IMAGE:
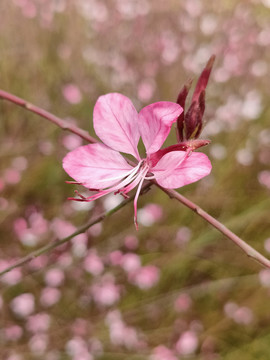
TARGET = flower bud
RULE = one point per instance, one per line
(190, 124)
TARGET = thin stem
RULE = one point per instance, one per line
(80, 230)
(247, 249)
(48, 116)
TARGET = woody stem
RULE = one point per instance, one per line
(80, 230)
(46, 115)
(247, 249)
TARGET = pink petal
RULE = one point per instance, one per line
(92, 164)
(116, 123)
(192, 169)
(155, 123)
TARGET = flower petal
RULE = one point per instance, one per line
(155, 123)
(116, 123)
(192, 169)
(92, 164)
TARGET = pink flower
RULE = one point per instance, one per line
(145, 277)
(102, 168)
(72, 94)
(187, 343)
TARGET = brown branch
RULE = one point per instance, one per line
(247, 249)
(80, 230)
(63, 124)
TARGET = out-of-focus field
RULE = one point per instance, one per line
(177, 288)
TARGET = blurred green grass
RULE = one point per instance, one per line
(37, 60)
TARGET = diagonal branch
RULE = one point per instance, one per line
(80, 230)
(63, 124)
(247, 249)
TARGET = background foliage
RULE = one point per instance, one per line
(176, 288)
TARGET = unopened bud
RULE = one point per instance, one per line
(190, 124)
(203, 79)
(181, 100)
(192, 118)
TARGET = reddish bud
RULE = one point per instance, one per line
(181, 100)
(190, 124)
(203, 79)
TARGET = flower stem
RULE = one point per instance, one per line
(65, 125)
(247, 249)
(80, 230)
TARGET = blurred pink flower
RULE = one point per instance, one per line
(93, 264)
(12, 277)
(38, 224)
(131, 262)
(183, 302)
(182, 236)
(49, 296)
(264, 277)
(12, 176)
(62, 228)
(150, 214)
(38, 323)
(241, 315)
(31, 235)
(20, 163)
(38, 344)
(15, 356)
(264, 178)
(105, 293)
(39, 262)
(267, 245)
(145, 277)
(29, 10)
(102, 168)
(13, 333)
(77, 349)
(161, 352)
(115, 257)
(146, 90)
(23, 305)
(72, 94)
(79, 327)
(131, 242)
(120, 333)
(230, 308)
(71, 141)
(187, 343)
(54, 277)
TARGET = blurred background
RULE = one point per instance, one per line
(176, 289)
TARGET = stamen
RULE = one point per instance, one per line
(130, 181)
(116, 187)
(133, 170)
(80, 195)
(141, 177)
